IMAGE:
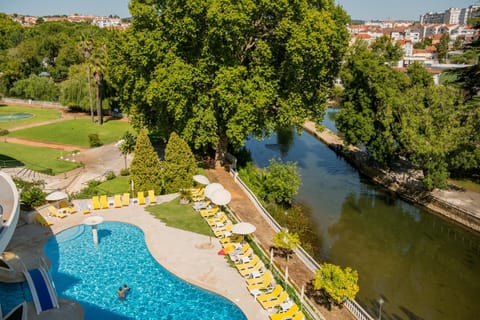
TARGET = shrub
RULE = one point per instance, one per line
(124, 172)
(4, 132)
(32, 194)
(88, 192)
(110, 175)
(94, 140)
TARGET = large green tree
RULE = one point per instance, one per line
(372, 89)
(217, 71)
(395, 115)
(145, 167)
(281, 182)
(442, 47)
(384, 46)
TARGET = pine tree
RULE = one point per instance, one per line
(179, 165)
(145, 167)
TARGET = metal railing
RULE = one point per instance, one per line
(355, 309)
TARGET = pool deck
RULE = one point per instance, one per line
(187, 255)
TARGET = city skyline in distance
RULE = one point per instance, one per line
(358, 10)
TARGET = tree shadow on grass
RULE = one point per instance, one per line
(9, 162)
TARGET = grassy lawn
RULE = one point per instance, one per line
(468, 185)
(35, 158)
(119, 185)
(180, 216)
(75, 132)
(38, 115)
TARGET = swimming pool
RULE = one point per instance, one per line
(91, 275)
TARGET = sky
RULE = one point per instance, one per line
(357, 9)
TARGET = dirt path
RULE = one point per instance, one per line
(34, 143)
(246, 211)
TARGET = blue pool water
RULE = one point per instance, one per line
(92, 274)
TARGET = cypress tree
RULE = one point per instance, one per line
(179, 165)
(145, 168)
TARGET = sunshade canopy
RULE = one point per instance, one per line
(211, 188)
(243, 228)
(201, 179)
(221, 197)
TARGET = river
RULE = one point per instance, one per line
(421, 265)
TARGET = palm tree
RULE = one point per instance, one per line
(127, 146)
(86, 48)
(97, 60)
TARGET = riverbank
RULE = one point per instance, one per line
(460, 206)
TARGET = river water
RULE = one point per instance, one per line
(421, 265)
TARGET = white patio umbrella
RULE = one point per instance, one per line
(56, 196)
(211, 188)
(243, 228)
(201, 179)
(221, 197)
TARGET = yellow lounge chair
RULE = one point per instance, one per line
(209, 212)
(95, 203)
(84, 207)
(256, 267)
(267, 282)
(151, 197)
(67, 208)
(236, 238)
(118, 201)
(126, 199)
(223, 231)
(272, 295)
(196, 191)
(299, 316)
(275, 302)
(248, 265)
(197, 198)
(141, 197)
(287, 314)
(104, 202)
(42, 220)
(55, 213)
(246, 255)
(218, 221)
(263, 278)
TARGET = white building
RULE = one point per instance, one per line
(450, 16)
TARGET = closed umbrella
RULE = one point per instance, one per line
(201, 179)
(243, 228)
(211, 188)
(221, 197)
(56, 196)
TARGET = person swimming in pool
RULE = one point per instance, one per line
(121, 294)
(125, 288)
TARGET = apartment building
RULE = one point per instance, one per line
(451, 16)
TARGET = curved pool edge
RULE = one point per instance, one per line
(179, 252)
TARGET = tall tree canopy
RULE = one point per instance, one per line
(217, 71)
(395, 115)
